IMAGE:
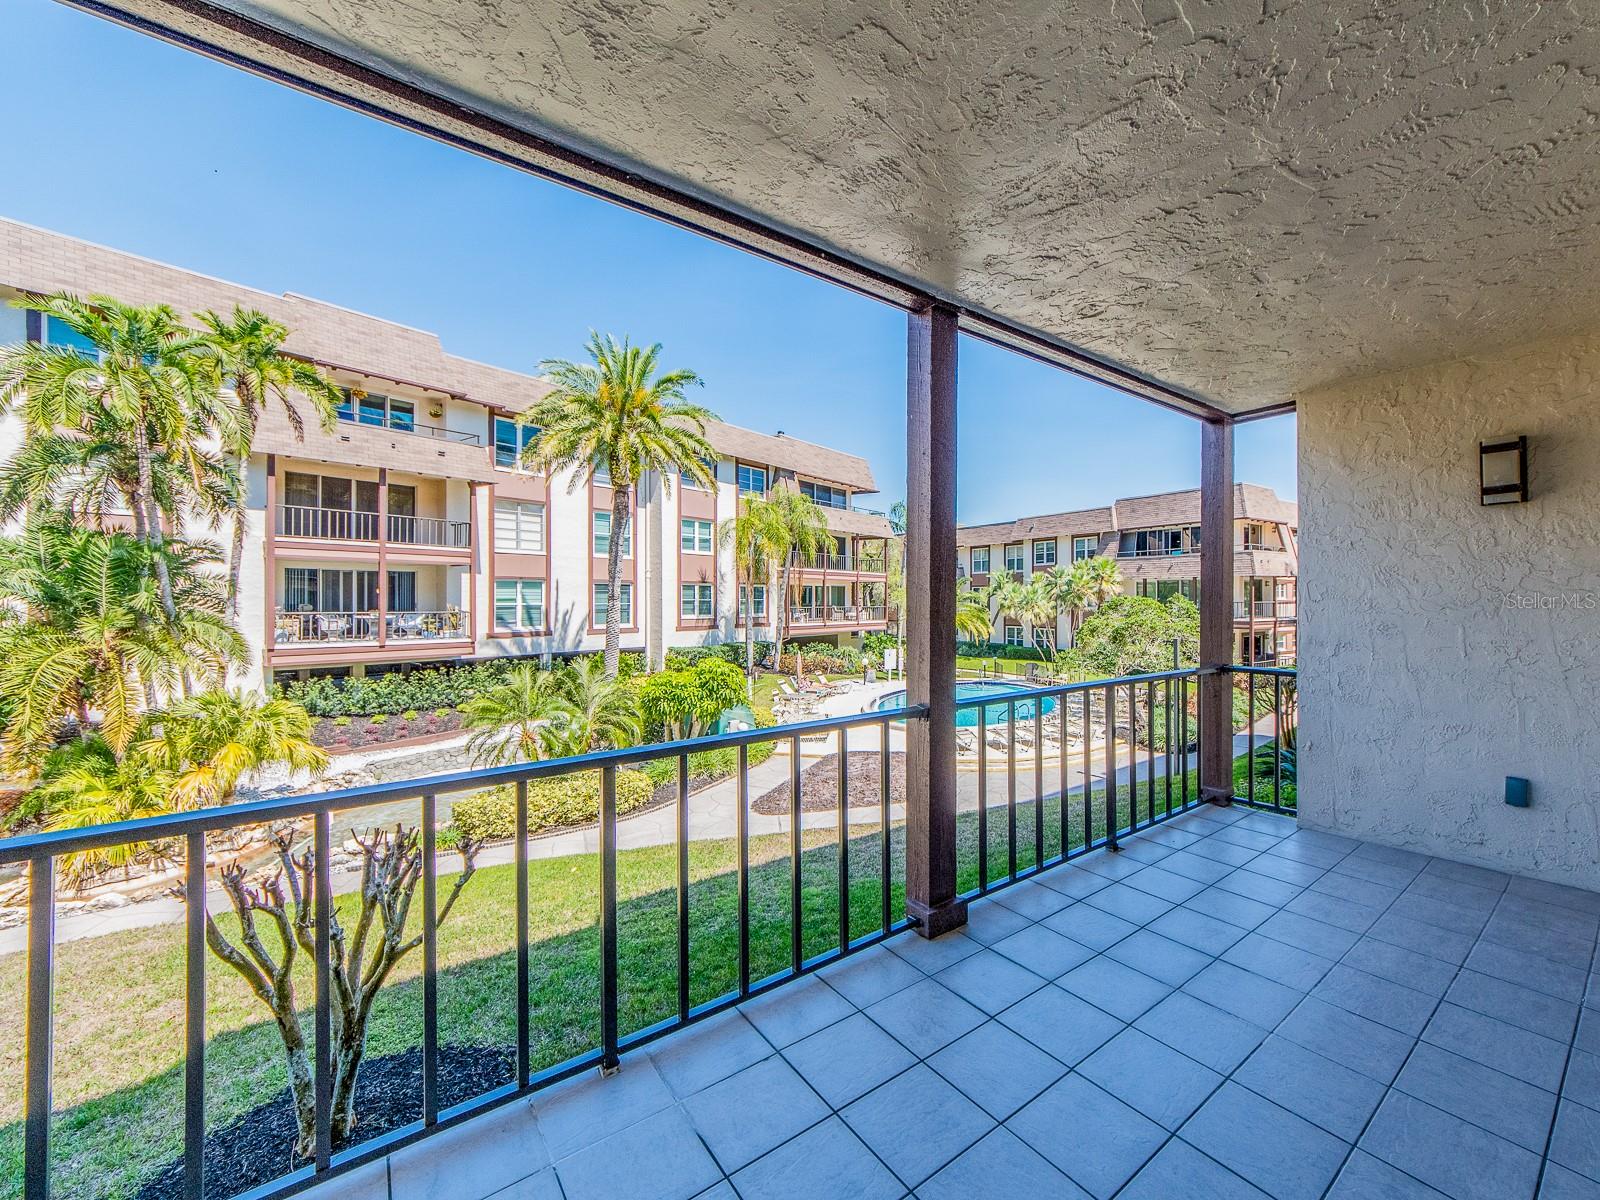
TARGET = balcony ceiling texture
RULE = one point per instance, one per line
(1238, 200)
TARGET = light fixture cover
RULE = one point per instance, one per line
(1503, 471)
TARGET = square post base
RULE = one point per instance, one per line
(941, 918)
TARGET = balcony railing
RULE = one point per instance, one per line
(1264, 610)
(406, 425)
(1132, 781)
(429, 531)
(336, 524)
(316, 628)
(837, 614)
(1176, 551)
(346, 525)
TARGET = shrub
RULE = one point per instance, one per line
(396, 692)
(442, 713)
(823, 657)
(341, 722)
(377, 718)
(688, 702)
(552, 804)
(409, 715)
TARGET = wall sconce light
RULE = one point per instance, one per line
(1503, 471)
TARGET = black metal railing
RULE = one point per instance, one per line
(1159, 725)
(1138, 773)
(40, 854)
(1271, 778)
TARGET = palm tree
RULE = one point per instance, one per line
(603, 710)
(208, 742)
(512, 720)
(148, 381)
(616, 412)
(91, 784)
(249, 354)
(1068, 589)
(802, 528)
(1101, 577)
(758, 538)
(973, 621)
(82, 632)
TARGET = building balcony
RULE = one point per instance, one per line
(851, 616)
(345, 525)
(301, 629)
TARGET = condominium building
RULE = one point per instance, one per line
(1155, 542)
(411, 532)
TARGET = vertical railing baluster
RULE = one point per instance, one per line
(1250, 739)
(1150, 750)
(843, 781)
(1183, 736)
(1061, 718)
(983, 798)
(430, 962)
(609, 1058)
(796, 898)
(1166, 748)
(1111, 767)
(742, 836)
(1088, 773)
(1038, 783)
(883, 828)
(1011, 789)
(683, 887)
(524, 1000)
(1277, 742)
(322, 854)
(41, 972)
(194, 1017)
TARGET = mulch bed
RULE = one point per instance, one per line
(256, 1149)
(359, 732)
(819, 784)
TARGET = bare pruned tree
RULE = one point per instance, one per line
(362, 956)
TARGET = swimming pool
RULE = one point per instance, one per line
(977, 690)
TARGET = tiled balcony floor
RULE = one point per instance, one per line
(1230, 1007)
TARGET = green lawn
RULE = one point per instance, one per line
(119, 1009)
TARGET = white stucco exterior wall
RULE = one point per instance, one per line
(1444, 645)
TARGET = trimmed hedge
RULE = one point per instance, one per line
(431, 688)
(686, 656)
(552, 804)
(821, 656)
(998, 650)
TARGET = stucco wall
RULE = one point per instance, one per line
(1443, 645)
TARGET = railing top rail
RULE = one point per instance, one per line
(171, 825)
(1252, 669)
(1060, 689)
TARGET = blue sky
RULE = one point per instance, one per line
(163, 153)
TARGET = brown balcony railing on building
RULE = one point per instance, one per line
(295, 628)
(429, 531)
(337, 524)
(449, 624)
(401, 424)
(1109, 787)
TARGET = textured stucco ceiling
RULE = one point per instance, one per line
(1242, 199)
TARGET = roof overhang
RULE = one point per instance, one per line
(1214, 209)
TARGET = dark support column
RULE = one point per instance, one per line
(383, 556)
(1216, 611)
(930, 620)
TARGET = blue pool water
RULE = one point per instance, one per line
(977, 690)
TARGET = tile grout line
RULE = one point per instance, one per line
(1389, 1088)
(1566, 1065)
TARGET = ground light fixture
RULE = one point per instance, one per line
(1503, 471)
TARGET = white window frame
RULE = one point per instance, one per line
(1013, 636)
(696, 601)
(1048, 546)
(1084, 548)
(522, 434)
(597, 612)
(745, 471)
(690, 540)
(600, 542)
(527, 593)
(976, 569)
(519, 527)
(1017, 563)
(760, 592)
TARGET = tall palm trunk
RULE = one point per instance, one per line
(236, 554)
(619, 522)
(153, 534)
(245, 391)
(782, 627)
(750, 635)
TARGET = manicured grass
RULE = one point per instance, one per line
(119, 1007)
